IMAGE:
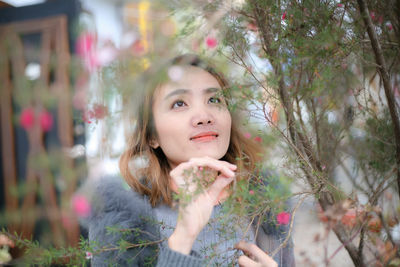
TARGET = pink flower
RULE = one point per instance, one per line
(85, 44)
(372, 15)
(81, 206)
(46, 120)
(389, 26)
(258, 139)
(211, 42)
(86, 116)
(99, 111)
(138, 48)
(252, 26)
(350, 218)
(89, 255)
(86, 49)
(251, 192)
(340, 5)
(27, 118)
(284, 15)
(283, 217)
(247, 135)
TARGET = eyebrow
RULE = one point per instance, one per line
(186, 91)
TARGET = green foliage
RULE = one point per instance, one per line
(264, 192)
(36, 254)
(309, 60)
(380, 156)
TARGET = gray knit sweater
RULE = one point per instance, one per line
(121, 217)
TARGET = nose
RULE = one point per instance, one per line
(202, 117)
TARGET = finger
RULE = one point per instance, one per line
(177, 174)
(183, 180)
(246, 261)
(228, 164)
(255, 251)
(225, 168)
(218, 165)
(202, 160)
(219, 184)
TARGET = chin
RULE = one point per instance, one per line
(211, 154)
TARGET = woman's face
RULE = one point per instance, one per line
(191, 117)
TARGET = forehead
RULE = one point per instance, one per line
(187, 77)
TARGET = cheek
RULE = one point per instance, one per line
(162, 129)
(167, 130)
(227, 120)
(226, 127)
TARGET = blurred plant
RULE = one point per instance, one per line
(331, 69)
(323, 75)
(319, 77)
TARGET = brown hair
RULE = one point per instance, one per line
(152, 179)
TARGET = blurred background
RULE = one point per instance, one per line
(310, 90)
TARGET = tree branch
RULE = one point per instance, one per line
(384, 74)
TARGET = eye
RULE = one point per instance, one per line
(178, 104)
(214, 100)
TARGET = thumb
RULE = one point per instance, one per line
(219, 184)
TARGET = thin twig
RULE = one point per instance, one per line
(384, 74)
(284, 243)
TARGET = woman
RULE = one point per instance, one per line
(185, 144)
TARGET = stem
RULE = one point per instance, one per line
(284, 243)
(301, 144)
(384, 74)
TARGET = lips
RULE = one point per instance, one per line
(205, 136)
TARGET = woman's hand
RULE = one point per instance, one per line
(254, 256)
(194, 214)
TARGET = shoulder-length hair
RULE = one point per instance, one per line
(152, 178)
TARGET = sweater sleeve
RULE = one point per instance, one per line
(170, 258)
(123, 231)
(269, 238)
